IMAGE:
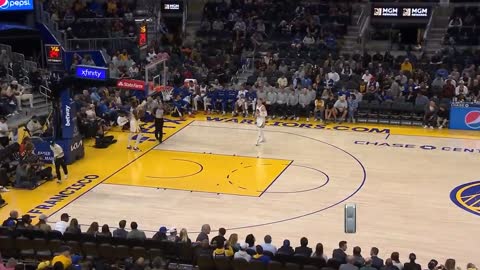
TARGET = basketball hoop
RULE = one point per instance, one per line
(160, 59)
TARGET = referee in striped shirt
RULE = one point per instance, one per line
(159, 122)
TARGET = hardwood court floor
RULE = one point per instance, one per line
(294, 185)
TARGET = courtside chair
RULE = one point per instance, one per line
(362, 112)
(156, 252)
(74, 246)
(385, 112)
(418, 112)
(240, 264)
(318, 262)
(205, 262)
(89, 249)
(7, 246)
(25, 247)
(67, 236)
(138, 252)
(107, 252)
(5, 231)
(257, 265)
(274, 265)
(283, 258)
(133, 242)
(42, 251)
(333, 264)
(122, 252)
(54, 235)
(101, 239)
(300, 259)
(169, 249)
(406, 116)
(184, 253)
(85, 237)
(374, 108)
(396, 115)
(54, 245)
(292, 266)
(223, 263)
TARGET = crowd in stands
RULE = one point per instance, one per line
(251, 24)
(463, 27)
(203, 248)
(296, 78)
(93, 19)
(331, 90)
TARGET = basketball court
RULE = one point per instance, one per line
(415, 190)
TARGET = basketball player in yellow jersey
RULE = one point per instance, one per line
(261, 114)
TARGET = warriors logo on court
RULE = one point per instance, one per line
(467, 197)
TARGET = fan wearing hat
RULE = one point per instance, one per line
(42, 224)
(59, 160)
(161, 234)
(242, 253)
(173, 234)
(62, 225)
(25, 222)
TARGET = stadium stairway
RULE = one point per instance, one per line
(437, 30)
(195, 10)
(350, 40)
(41, 107)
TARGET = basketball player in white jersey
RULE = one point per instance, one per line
(200, 95)
(261, 114)
(134, 130)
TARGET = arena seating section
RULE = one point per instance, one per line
(33, 246)
(227, 55)
(468, 33)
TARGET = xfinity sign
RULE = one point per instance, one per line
(13, 5)
(91, 73)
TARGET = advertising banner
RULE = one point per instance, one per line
(400, 12)
(16, 5)
(91, 73)
(464, 115)
(131, 84)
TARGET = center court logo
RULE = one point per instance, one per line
(472, 119)
(467, 197)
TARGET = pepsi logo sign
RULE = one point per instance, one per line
(472, 119)
(7, 5)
